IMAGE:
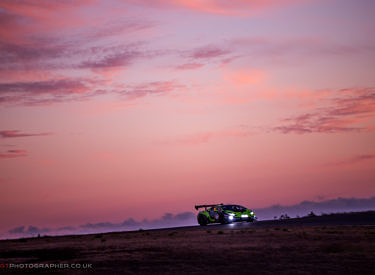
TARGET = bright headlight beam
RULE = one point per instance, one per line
(244, 216)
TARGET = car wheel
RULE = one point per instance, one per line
(202, 220)
(222, 220)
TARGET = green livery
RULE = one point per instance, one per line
(224, 213)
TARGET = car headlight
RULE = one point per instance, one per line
(244, 216)
(251, 213)
(230, 217)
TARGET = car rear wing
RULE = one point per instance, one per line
(206, 205)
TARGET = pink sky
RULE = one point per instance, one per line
(124, 108)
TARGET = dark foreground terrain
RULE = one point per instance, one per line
(311, 245)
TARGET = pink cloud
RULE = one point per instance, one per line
(26, 17)
(354, 160)
(208, 52)
(296, 50)
(190, 66)
(47, 92)
(45, 11)
(13, 154)
(348, 111)
(220, 7)
(286, 51)
(207, 136)
(16, 134)
(151, 88)
(29, 41)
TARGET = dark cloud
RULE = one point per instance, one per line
(63, 86)
(13, 154)
(316, 123)
(346, 112)
(46, 92)
(64, 90)
(122, 56)
(65, 228)
(121, 59)
(17, 230)
(130, 223)
(189, 218)
(327, 206)
(30, 231)
(17, 133)
(51, 53)
(167, 220)
(16, 56)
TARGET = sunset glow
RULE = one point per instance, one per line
(120, 109)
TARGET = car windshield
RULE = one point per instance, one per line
(235, 208)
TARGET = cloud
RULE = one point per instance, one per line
(17, 133)
(31, 230)
(167, 220)
(61, 34)
(295, 51)
(354, 160)
(46, 92)
(13, 154)
(189, 218)
(219, 7)
(284, 51)
(327, 206)
(62, 86)
(190, 66)
(350, 110)
(17, 230)
(35, 8)
(207, 136)
(64, 90)
(150, 88)
(50, 53)
(32, 55)
(37, 61)
(120, 59)
(28, 18)
(208, 52)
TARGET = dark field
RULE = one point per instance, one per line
(266, 247)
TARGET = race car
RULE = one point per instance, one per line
(224, 213)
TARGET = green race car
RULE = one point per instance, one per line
(224, 213)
